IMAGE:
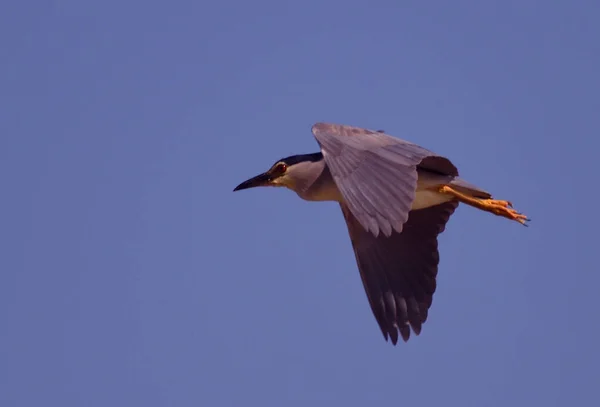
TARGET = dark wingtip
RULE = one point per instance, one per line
(405, 332)
(394, 335)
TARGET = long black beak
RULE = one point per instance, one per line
(258, 181)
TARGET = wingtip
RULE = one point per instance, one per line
(405, 333)
(319, 127)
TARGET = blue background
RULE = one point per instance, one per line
(131, 274)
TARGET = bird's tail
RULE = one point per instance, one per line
(467, 188)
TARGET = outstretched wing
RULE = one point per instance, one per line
(376, 173)
(399, 272)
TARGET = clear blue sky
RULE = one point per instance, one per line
(132, 275)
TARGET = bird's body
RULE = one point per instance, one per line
(396, 198)
(322, 187)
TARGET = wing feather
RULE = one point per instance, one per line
(399, 272)
(376, 173)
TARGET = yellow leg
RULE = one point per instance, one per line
(495, 206)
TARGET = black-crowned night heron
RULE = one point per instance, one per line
(396, 198)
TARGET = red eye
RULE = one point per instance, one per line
(281, 167)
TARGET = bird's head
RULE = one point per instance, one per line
(295, 172)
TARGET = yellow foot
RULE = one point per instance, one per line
(495, 206)
(506, 204)
(503, 208)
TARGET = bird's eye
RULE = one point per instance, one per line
(280, 168)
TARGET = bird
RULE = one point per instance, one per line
(396, 198)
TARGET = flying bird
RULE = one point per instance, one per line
(396, 198)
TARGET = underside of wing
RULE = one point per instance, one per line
(399, 272)
(376, 173)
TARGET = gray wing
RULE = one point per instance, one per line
(376, 173)
(399, 272)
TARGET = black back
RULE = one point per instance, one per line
(295, 159)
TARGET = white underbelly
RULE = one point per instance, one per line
(427, 198)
